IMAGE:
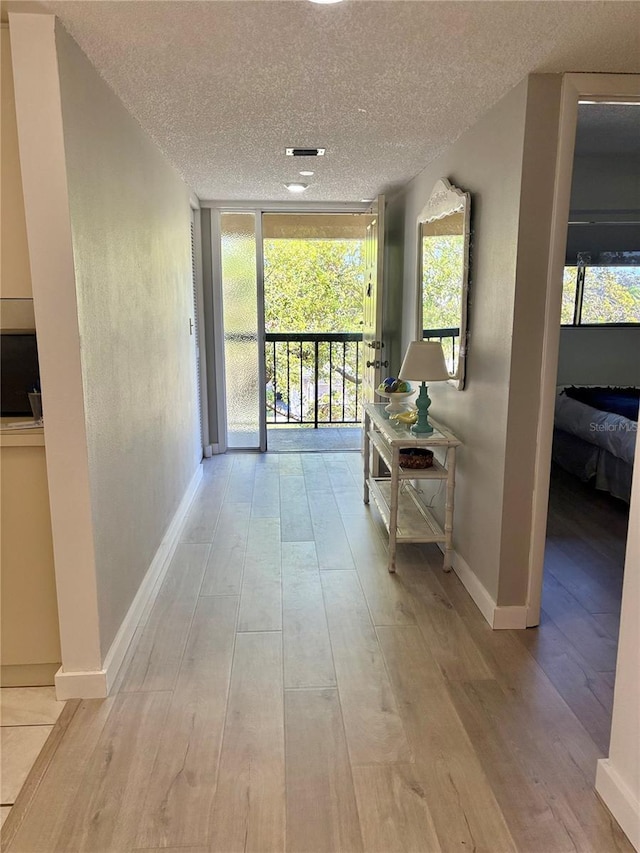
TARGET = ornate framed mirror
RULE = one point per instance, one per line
(443, 274)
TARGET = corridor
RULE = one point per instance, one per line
(284, 692)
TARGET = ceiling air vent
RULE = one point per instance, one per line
(304, 152)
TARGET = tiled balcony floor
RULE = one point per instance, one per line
(323, 439)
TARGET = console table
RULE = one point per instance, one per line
(405, 516)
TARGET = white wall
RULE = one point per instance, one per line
(534, 237)
(130, 220)
(108, 225)
(494, 162)
(39, 122)
(486, 161)
(599, 356)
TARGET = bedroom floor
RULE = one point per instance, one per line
(577, 641)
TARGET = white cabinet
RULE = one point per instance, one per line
(407, 519)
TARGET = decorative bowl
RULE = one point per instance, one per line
(415, 457)
(397, 400)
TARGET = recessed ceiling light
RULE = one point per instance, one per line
(296, 188)
(306, 174)
(325, 2)
(304, 152)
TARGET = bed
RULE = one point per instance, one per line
(595, 435)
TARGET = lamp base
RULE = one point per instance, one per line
(422, 427)
(419, 432)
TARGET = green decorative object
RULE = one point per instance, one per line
(424, 362)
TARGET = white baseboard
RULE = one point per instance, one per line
(151, 583)
(533, 616)
(507, 616)
(619, 799)
(96, 685)
(81, 685)
(500, 617)
(485, 604)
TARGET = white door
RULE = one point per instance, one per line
(376, 362)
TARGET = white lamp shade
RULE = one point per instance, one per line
(424, 362)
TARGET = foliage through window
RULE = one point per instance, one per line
(442, 261)
(600, 295)
(313, 287)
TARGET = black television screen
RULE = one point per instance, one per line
(19, 372)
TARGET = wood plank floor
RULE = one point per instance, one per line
(286, 693)
(577, 641)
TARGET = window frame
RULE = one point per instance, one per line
(583, 263)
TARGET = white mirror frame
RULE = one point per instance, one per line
(446, 199)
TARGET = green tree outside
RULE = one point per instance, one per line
(568, 295)
(442, 265)
(313, 286)
(611, 295)
(442, 268)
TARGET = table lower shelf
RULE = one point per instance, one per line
(416, 523)
(435, 472)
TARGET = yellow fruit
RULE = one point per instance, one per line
(406, 417)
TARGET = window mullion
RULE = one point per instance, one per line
(583, 260)
(577, 312)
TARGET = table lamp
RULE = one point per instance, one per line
(424, 362)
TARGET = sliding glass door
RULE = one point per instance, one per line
(314, 329)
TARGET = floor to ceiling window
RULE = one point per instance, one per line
(241, 305)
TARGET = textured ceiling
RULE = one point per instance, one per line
(224, 87)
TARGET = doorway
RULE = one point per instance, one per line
(292, 302)
(591, 345)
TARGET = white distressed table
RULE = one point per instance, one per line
(405, 516)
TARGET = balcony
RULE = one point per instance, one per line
(314, 383)
(313, 378)
(314, 387)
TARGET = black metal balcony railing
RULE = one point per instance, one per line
(313, 378)
(448, 338)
